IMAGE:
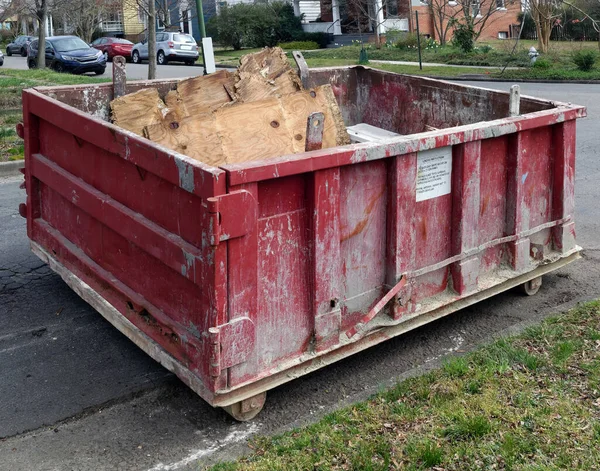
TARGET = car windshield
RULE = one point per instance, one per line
(184, 38)
(121, 41)
(69, 44)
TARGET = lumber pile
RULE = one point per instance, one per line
(256, 113)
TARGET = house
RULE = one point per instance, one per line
(348, 18)
(501, 22)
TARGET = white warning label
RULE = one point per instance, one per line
(434, 170)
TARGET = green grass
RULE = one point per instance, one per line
(529, 402)
(12, 83)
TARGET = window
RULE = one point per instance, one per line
(502, 34)
(500, 5)
(475, 8)
(391, 7)
(184, 38)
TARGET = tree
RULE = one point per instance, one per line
(373, 10)
(469, 15)
(148, 8)
(86, 15)
(443, 15)
(544, 14)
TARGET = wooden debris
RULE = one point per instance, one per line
(265, 74)
(205, 93)
(194, 136)
(243, 132)
(258, 113)
(139, 109)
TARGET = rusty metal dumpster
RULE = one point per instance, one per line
(243, 277)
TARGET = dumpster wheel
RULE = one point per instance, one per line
(531, 287)
(248, 408)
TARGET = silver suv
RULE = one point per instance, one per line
(169, 47)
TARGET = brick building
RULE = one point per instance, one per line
(349, 16)
(501, 23)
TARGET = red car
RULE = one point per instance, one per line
(113, 47)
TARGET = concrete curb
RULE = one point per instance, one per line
(490, 79)
(9, 169)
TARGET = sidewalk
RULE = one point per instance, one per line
(434, 64)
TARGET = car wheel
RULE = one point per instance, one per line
(8, 53)
(189, 62)
(1, 62)
(58, 67)
(100, 72)
(161, 59)
(106, 58)
(31, 64)
(135, 57)
(23, 52)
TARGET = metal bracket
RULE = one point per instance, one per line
(314, 131)
(119, 77)
(233, 215)
(231, 344)
(302, 68)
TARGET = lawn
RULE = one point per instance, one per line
(529, 402)
(12, 83)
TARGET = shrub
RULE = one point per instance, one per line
(542, 64)
(322, 39)
(254, 25)
(464, 37)
(484, 49)
(584, 60)
(407, 41)
(299, 45)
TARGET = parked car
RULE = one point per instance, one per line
(169, 47)
(111, 47)
(19, 45)
(1, 58)
(68, 54)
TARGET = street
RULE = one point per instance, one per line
(134, 71)
(78, 395)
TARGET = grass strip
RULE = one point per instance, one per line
(529, 402)
(12, 83)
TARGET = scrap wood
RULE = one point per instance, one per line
(205, 93)
(265, 73)
(137, 110)
(243, 132)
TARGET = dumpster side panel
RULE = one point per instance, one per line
(139, 238)
(492, 209)
(281, 271)
(363, 236)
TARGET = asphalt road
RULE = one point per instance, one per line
(75, 394)
(134, 71)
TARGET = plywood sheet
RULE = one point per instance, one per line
(266, 73)
(298, 106)
(194, 136)
(243, 132)
(137, 110)
(204, 93)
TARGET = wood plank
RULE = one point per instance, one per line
(254, 131)
(194, 136)
(243, 132)
(298, 106)
(266, 73)
(204, 93)
(137, 110)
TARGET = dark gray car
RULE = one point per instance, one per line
(19, 46)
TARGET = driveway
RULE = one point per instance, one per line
(76, 394)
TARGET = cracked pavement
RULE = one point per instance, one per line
(77, 395)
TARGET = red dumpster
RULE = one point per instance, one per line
(243, 277)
